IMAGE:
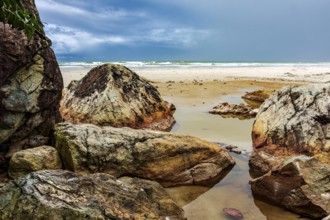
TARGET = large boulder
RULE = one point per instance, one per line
(167, 158)
(114, 95)
(30, 85)
(59, 194)
(34, 159)
(295, 121)
(300, 184)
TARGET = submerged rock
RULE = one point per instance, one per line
(256, 98)
(240, 111)
(114, 95)
(300, 184)
(30, 85)
(59, 194)
(34, 159)
(167, 158)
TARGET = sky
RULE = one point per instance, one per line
(188, 30)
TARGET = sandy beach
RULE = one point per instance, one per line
(192, 86)
(194, 91)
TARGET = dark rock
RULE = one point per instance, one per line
(240, 111)
(59, 194)
(30, 84)
(113, 95)
(170, 159)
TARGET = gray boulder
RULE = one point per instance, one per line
(116, 96)
(167, 158)
(59, 194)
(295, 121)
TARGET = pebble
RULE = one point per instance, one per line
(232, 212)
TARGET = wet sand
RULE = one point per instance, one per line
(193, 96)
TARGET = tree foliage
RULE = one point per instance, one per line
(14, 13)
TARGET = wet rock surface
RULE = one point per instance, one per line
(167, 158)
(240, 111)
(256, 98)
(300, 184)
(116, 96)
(291, 158)
(30, 86)
(59, 194)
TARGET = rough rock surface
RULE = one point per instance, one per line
(300, 184)
(30, 85)
(295, 121)
(114, 95)
(167, 158)
(59, 194)
(240, 111)
(294, 124)
(34, 159)
(256, 98)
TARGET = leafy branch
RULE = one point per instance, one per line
(14, 13)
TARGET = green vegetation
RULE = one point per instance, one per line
(14, 13)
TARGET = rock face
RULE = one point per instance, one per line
(167, 158)
(116, 96)
(295, 121)
(291, 158)
(30, 85)
(240, 111)
(34, 159)
(59, 194)
(300, 184)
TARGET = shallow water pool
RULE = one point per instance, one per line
(234, 189)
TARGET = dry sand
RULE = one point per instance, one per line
(192, 86)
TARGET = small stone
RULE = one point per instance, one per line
(232, 212)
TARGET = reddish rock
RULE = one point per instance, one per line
(240, 111)
(233, 213)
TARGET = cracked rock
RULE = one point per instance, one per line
(113, 95)
(170, 159)
(60, 194)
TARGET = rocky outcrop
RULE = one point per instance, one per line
(114, 95)
(295, 121)
(256, 98)
(300, 184)
(34, 159)
(291, 158)
(59, 194)
(30, 86)
(167, 158)
(240, 111)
